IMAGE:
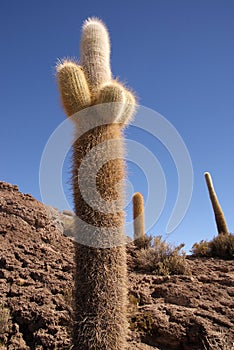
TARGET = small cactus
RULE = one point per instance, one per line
(219, 215)
(138, 215)
(101, 274)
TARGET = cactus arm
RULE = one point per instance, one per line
(129, 109)
(122, 109)
(111, 100)
(95, 59)
(73, 87)
(218, 212)
(95, 53)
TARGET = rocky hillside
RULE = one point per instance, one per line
(36, 268)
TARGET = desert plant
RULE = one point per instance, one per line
(138, 216)
(219, 215)
(144, 324)
(201, 249)
(221, 246)
(162, 258)
(143, 242)
(100, 259)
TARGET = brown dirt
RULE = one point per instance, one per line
(36, 283)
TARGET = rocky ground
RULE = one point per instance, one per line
(36, 266)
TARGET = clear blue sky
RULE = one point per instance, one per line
(177, 55)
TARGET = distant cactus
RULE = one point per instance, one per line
(138, 215)
(100, 276)
(219, 215)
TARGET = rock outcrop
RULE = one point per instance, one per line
(36, 288)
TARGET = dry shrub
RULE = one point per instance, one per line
(144, 324)
(201, 249)
(143, 242)
(221, 246)
(161, 258)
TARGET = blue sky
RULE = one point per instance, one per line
(177, 55)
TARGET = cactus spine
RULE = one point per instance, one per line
(219, 215)
(138, 215)
(100, 276)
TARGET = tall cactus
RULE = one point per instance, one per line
(100, 276)
(219, 215)
(138, 216)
